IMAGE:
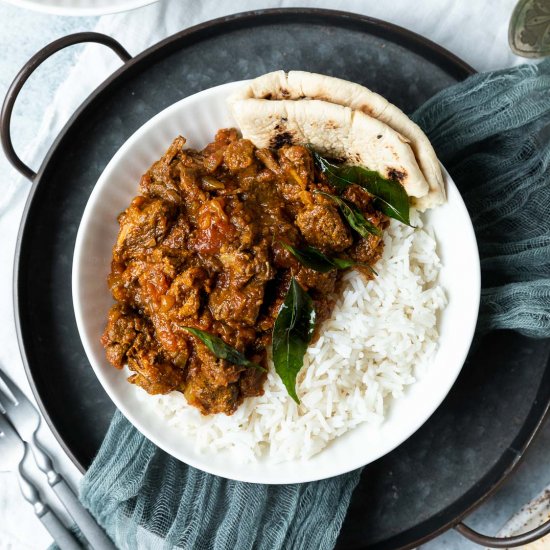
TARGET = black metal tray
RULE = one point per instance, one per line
(481, 430)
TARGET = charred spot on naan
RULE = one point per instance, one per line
(396, 175)
(332, 125)
(282, 137)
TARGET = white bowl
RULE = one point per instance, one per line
(80, 7)
(198, 117)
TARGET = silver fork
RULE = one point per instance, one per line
(12, 453)
(26, 420)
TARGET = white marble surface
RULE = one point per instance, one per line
(22, 33)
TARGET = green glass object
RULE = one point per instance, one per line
(529, 31)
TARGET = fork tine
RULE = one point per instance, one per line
(9, 398)
(18, 408)
(3, 422)
(6, 428)
(16, 394)
(5, 399)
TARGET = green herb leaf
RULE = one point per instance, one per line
(292, 334)
(330, 170)
(354, 217)
(222, 350)
(390, 196)
(314, 259)
(344, 263)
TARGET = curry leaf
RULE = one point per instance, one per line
(222, 350)
(311, 257)
(344, 263)
(314, 259)
(292, 334)
(390, 196)
(354, 217)
(330, 170)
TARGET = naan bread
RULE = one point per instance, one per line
(334, 131)
(301, 86)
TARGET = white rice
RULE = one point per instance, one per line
(381, 336)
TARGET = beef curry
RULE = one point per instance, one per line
(207, 245)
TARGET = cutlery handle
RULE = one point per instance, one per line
(61, 535)
(97, 538)
(44, 461)
(83, 519)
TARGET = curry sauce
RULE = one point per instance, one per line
(202, 246)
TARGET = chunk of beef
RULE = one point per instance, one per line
(212, 399)
(324, 283)
(143, 225)
(123, 326)
(213, 153)
(252, 380)
(129, 338)
(217, 372)
(296, 162)
(322, 227)
(158, 181)
(237, 306)
(175, 242)
(267, 158)
(155, 373)
(239, 291)
(239, 155)
(183, 298)
(244, 265)
(367, 250)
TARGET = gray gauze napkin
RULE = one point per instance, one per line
(492, 133)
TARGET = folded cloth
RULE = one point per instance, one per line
(148, 499)
(492, 133)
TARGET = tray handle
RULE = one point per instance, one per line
(507, 542)
(29, 67)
